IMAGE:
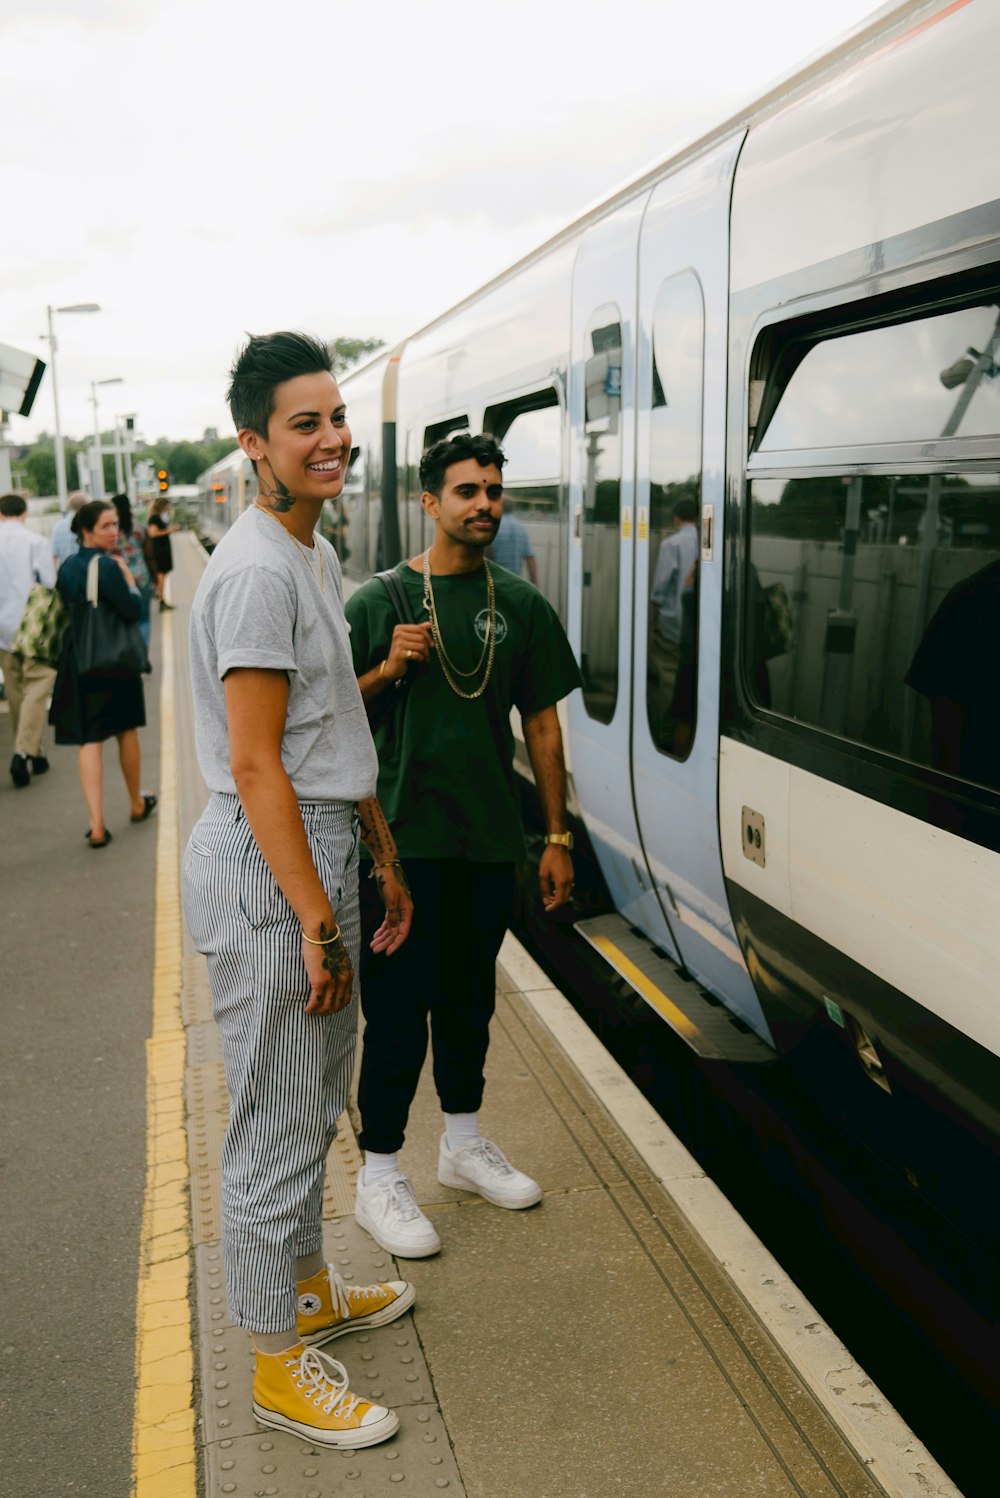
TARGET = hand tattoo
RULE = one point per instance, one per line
(336, 958)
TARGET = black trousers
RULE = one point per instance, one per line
(445, 971)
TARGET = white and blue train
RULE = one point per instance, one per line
(795, 322)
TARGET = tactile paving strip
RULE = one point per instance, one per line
(385, 1364)
(417, 1461)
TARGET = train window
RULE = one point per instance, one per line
(675, 442)
(601, 513)
(873, 611)
(897, 383)
(530, 430)
(439, 429)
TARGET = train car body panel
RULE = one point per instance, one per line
(353, 523)
(601, 560)
(681, 452)
(863, 500)
(895, 141)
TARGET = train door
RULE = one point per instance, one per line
(602, 427)
(680, 474)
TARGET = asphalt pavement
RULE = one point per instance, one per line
(76, 952)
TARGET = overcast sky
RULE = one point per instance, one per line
(202, 168)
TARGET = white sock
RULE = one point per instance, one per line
(461, 1129)
(380, 1167)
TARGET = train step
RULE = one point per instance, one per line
(709, 1028)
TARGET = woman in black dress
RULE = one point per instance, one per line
(159, 530)
(87, 710)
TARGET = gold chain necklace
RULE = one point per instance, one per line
(489, 644)
(305, 550)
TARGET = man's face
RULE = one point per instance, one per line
(308, 442)
(470, 505)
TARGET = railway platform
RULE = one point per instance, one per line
(628, 1335)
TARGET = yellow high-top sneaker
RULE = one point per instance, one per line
(328, 1308)
(305, 1392)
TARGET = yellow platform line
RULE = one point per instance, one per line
(163, 1448)
(645, 986)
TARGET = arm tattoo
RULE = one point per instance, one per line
(375, 832)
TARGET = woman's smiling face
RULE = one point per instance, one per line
(308, 442)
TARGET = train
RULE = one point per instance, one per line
(789, 328)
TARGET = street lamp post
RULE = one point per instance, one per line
(61, 488)
(98, 455)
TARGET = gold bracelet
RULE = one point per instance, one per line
(324, 941)
(381, 669)
(392, 863)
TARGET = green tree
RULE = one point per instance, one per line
(350, 351)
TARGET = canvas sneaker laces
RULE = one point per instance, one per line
(324, 1381)
(342, 1294)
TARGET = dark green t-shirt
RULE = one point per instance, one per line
(446, 773)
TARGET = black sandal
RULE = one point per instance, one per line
(149, 806)
(105, 840)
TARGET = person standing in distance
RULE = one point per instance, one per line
(64, 541)
(270, 885)
(25, 558)
(512, 545)
(488, 641)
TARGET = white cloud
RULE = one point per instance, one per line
(200, 169)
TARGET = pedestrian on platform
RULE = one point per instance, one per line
(25, 559)
(64, 542)
(131, 545)
(159, 529)
(488, 641)
(89, 709)
(512, 545)
(270, 885)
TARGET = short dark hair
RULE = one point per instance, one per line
(686, 509)
(12, 505)
(266, 361)
(124, 508)
(86, 516)
(456, 449)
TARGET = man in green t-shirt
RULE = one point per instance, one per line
(440, 692)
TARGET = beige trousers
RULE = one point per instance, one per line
(29, 686)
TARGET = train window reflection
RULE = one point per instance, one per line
(675, 443)
(602, 356)
(873, 611)
(894, 384)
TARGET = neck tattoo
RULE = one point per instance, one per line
(307, 551)
(489, 644)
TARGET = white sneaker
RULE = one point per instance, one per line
(388, 1211)
(484, 1167)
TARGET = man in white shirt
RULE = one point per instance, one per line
(64, 543)
(25, 558)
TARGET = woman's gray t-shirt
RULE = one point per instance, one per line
(260, 604)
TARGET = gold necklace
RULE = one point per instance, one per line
(305, 550)
(489, 644)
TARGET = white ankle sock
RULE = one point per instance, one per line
(461, 1129)
(380, 1167)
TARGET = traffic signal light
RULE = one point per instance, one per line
(162, 480)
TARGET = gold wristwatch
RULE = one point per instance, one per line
(563, 839)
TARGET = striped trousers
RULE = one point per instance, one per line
(288, 1073)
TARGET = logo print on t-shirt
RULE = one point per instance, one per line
(483, 624)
